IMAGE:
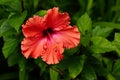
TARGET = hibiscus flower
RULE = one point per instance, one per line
(47, 36)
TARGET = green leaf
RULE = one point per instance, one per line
(116, 42)
(41, 13)
(84, 24)
(10, 46)
(101, 31)
(6, 29)
(116, 68)
(108, 24)
(12, 5)
(101, 45)
(76, 66)
(53, 74)
(16, 20)
(88, 73)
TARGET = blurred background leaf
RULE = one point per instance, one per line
(101, 45)
(76, 68)
(16, 20)
(117, 43)
(10, 46)
(11, 6)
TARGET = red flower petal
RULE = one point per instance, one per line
(54, 19)
(33, 47)
(33, 27)
(53, 52)
(70, 37)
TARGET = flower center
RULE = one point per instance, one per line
(47, 32)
